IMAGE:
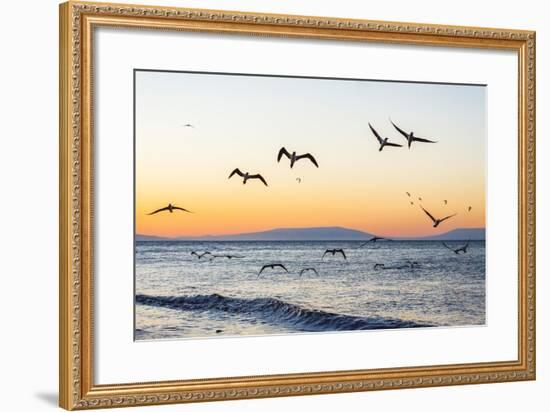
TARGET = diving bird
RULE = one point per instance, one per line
(383, 141)
(307, 269)
(201, 255)
(170, 208)
(227, 256)
(272, 266)
(435, 221)
(411, 137)
(294, 157)
(463, 249)
(334, 251)
(247, 176)
(373, 239)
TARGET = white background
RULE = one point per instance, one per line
(118, 359)
(28, 210)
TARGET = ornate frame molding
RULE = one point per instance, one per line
(77, 20)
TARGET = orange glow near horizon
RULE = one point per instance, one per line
(356, 186)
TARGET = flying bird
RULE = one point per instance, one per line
(373, 239)
(334, 251)
(445, 202)
(435, 221)
(420, 199)
(188, 125)
(408, 194)
(272, 266)
(307, 269)
(227, 256)
(170, 208)
(247, 176)
(201, 255)
(294, 157)
(383, 141)
(463, 249)
(411, 137)
(299, 180)
(469, 208)
(412, 203)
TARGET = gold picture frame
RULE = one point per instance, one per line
(76, 385)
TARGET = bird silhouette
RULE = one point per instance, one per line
(201, 255)
(299, 180)
(170, 208)
(469, 208)
(463, 249)
(247, 176)
(411, 137)
(294, 157)
(333, 252)
(308, 269)
(373, 239)
(272, 266)
(188, 125)
(383, 141)
(445, 202)
(227, 256)
(408, 194)
(435, 221)
(378, 266)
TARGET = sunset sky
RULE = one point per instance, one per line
(243, 121)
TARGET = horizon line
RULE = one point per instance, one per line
(411, 237)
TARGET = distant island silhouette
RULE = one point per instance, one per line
(318, 234)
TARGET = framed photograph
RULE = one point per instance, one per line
(259, 205)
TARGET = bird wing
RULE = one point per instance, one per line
(159, 210)
(302, 271)
(315, 270)
(236, 171)
(194, 253)
(342, 252)
(393, 144)
(262, 269)
(447, 217)
(207, 253)
(308, 156)
(181, 208)
(448, 247)
(282, 152)
(376, 134)
(281, 266)
(326, 251)
(429, 214)
(420, 139)
(258, 177)
(400, 130)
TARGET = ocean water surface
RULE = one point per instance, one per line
(178, 295)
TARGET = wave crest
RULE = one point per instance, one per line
(276, 311)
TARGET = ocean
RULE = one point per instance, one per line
(178, 295)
